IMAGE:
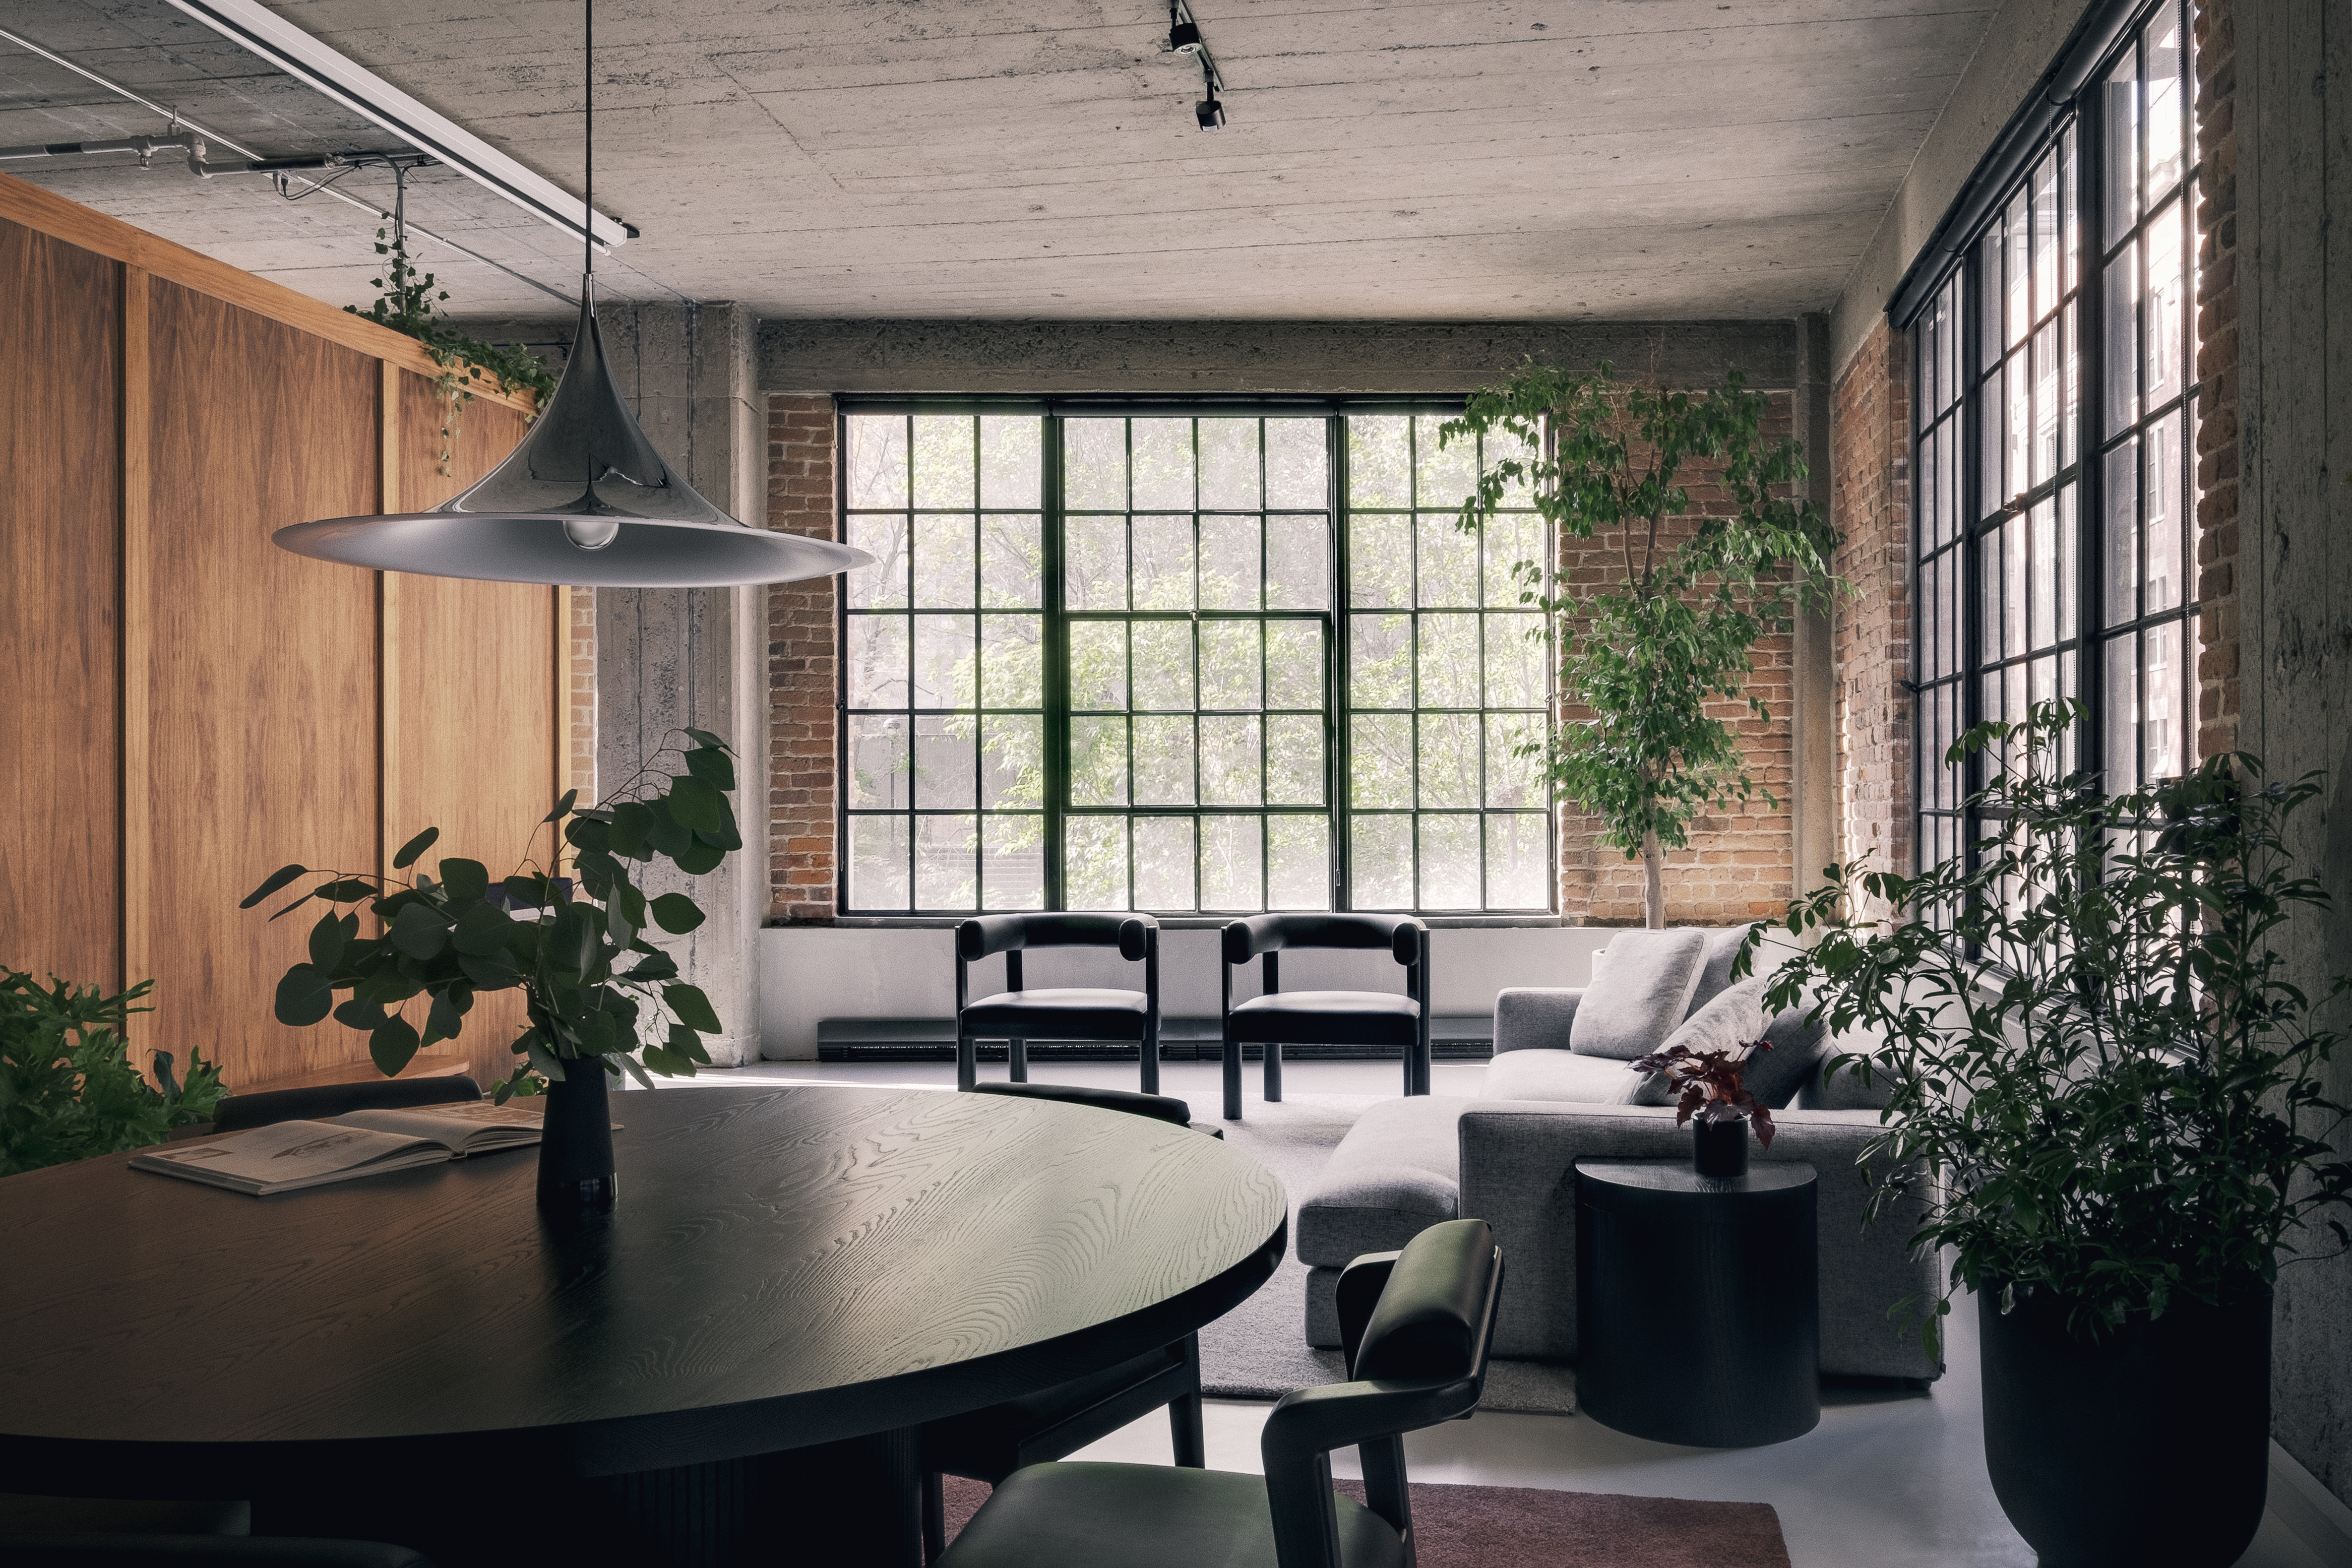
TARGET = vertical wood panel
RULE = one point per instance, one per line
(471, 716)
(60, 489)
(261, 686)
(137, 890)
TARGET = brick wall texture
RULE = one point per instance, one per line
(1870, 503)
(580, 690)
(1738, 864)
(803, 665)
(2217, 371)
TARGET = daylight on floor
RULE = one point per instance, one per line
(1501, 785)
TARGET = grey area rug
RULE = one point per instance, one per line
(1259, 1350)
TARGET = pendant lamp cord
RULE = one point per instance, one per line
(588, 134)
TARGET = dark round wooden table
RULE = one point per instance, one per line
(1697, 1302)
(817, 1268)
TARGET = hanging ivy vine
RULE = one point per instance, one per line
(409, 302)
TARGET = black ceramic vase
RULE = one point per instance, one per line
(575, 1150)
(2088, 1441)
(1719, 1148)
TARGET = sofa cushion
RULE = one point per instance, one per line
(1640, 995)
(1843, 1088)
(1715, 975)
(1396, 1174)
(1558, 1075)
(1777, 1076)
(1729, 1022)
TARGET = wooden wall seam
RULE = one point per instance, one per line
(137, 631)
(387, 605)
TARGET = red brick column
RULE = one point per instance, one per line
(1870, 502)
(2217, 371)
(578, 607)
(1740, 864)
(804, 868)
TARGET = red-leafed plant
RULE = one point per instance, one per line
(1712, 1085)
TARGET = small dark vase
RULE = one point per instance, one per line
(2087, 1439)
(575, 1150)
(1719, 1148)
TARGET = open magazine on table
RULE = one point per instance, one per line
(288, 1155)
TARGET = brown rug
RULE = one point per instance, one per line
(1529, 1527)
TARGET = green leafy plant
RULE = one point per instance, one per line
(408, 302)
(2104, 1085)
(594, 988)
(68, 1090)
(1654, 655)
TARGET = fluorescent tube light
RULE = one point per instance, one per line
(304, 58)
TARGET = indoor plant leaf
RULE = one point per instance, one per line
(393, 1045)
(481, 931)
(420, 931)
(676, 914)
(695, 802)
(415, 847)
(303, 997)
(692, 1008)
(698, 858)
(712, 765)
(464, 880)
(271, 883)
(327, 940)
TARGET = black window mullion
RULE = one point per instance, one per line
(1055, 649)
(1339, 712)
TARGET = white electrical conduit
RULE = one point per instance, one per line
(258, 163)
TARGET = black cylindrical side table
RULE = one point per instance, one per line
(1697, 1305)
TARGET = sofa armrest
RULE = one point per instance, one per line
(1528, 1017)
(1518, 1173)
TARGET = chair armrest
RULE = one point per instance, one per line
(989, 934)
(1527, 1017)
(1359, 1288)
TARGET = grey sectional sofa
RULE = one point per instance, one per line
(1508, 1157)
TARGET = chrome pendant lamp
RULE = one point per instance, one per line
(584, 500)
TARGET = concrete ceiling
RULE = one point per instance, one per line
(1460, 160)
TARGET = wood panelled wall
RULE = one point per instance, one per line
(187, 706)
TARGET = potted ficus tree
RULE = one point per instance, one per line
(1653, 655)
(600, 998)
(2109, 1093)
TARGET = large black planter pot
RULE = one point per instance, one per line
(575, 1150)
(2148, 1448)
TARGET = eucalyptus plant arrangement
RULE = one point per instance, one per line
(67, 1087)
(2104, 1085)
(595, 989)
(1654, 655)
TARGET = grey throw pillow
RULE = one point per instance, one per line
(1715, 977)
(1775, 1076)
(1640, 995)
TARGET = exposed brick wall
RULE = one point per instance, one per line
(2217, 370)
(803, 678)
(1739, 865)
(1870, 503)
(578, 609)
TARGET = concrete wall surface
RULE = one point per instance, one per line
(2295, 511)
(810, 973)
(2023, 41)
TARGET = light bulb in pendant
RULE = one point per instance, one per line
(591, 533)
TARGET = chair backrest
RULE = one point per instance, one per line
(1417, 1326)
(1401, 934)
(239, 1111)
(1159, 1107)
(991, 934)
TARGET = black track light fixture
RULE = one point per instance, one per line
(1184, 38)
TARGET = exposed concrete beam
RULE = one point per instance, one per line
(1255, 356)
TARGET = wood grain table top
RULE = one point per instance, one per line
(788, 1265)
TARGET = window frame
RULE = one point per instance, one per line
(2069, 114)
(1057, 619)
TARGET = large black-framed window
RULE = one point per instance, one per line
(1196, 662)
(2053, 435)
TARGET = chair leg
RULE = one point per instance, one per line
(1184, 1414)
(1232, 1065)
(1272, 1073)
(1016, 1059)
(1149, 1054)
(934, 1515)
(967, 1061)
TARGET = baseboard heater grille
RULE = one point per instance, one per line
(1181, 1039)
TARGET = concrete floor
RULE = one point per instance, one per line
(1888, 1479)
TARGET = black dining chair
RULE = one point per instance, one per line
(1016, 1016)
(1277, 1017)
(239, 1111)
(1415, 1325)
(989, 1444)
(74, 1549)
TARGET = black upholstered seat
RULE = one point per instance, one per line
(238, 1111)
(989, 1444)
(1017, 1016)
(1416, 1325)
(1277, 1017)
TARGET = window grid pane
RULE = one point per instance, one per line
(1449, 682)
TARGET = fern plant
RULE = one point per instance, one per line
(68, 1090)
